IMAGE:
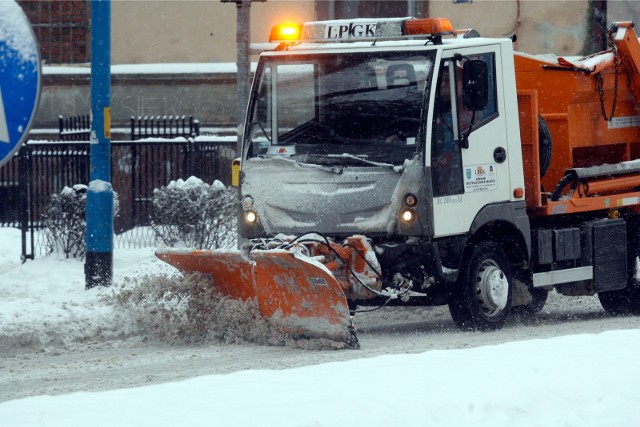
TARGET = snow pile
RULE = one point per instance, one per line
(100, 186)
(178, 308)
(44, 304)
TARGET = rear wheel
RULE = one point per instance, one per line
(622, 302)
(481, 300)
(626, 301)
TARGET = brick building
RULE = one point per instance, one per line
(169, 31)
(62, 29)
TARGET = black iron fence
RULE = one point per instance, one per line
(164, 127)
(78, 127)
(74, 128)
(10, 192)
(41, 169)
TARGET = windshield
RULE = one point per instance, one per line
(345, 108)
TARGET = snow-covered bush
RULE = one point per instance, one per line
(195, 214)
(65, 222)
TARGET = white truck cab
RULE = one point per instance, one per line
(351, 118)
(386, 129)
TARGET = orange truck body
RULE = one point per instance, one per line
(565, 94)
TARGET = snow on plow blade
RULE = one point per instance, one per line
(296, 295)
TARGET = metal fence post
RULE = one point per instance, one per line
(188, 160)
(24, 215)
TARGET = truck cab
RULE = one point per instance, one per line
(339, 125)
(385, 128)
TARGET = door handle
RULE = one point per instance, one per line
(500, 155)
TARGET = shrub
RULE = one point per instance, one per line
(65, 222)
(192, 213)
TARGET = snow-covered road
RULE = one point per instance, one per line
(108, 364)
(57, 339)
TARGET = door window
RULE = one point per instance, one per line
(451, 123)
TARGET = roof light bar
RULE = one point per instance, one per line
(431, 26)
(285, 33)
(362, 30)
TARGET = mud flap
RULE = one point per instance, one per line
(296, 294)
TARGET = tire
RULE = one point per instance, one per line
(481, 300)
(625, 302)
(544, 146)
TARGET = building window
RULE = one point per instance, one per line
(383, 9)
(349, 9)
(62, 29)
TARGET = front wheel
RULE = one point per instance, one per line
(481, 299)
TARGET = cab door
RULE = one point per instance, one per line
(468, 158)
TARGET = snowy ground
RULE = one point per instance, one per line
(138, 354)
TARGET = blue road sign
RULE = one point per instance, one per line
(19, 78)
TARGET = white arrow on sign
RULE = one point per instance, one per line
(4, 131)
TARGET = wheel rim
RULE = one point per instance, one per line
(492, 288)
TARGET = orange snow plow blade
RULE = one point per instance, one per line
(297, 295)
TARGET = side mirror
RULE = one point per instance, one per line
(475, 85)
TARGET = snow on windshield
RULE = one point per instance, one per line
(298, 198)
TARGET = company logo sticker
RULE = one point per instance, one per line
(480, 178)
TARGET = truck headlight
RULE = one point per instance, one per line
(250, 217)
(407, 215)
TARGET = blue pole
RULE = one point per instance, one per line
(99, 241)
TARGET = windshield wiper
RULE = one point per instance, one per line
(360, 159)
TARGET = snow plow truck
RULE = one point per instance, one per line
(404, 162)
